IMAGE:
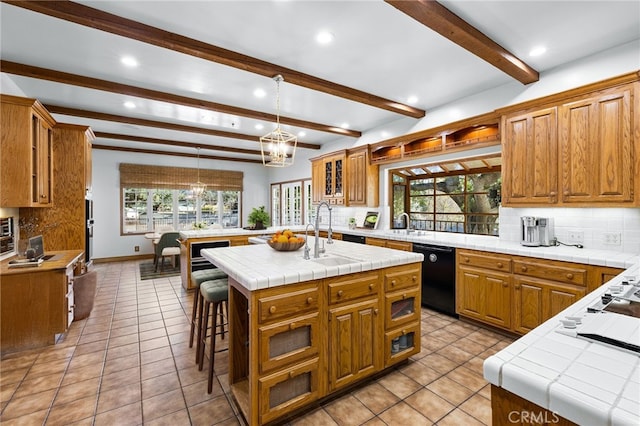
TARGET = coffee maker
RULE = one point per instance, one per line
(536, 231)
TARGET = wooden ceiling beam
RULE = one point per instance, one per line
(55, 109)
(125, 89)
(449, 25)
(175, 154)
(118, 136)
(94, 18)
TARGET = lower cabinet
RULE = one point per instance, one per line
(519, 293)
(392, 244)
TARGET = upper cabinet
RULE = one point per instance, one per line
(26, 153)
(345, 178)
(581, 150)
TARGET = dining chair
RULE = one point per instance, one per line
(168, 245)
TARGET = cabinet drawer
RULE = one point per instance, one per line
(288, 342)
(401, 307)
(353, 287)
(406, 276)
(287, 305)
(486, 261)
(399, 245)
(554, 271)
(285, 391)
(401, 343)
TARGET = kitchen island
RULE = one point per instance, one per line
(302, 330)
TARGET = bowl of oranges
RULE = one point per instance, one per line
(285, 241)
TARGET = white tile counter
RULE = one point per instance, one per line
(258, 266)
(586, 382)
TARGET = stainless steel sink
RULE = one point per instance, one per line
(334, 260)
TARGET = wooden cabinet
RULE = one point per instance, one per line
(26, 153)
(576, 150)
(345, 178)
(531, 150)
(392, 244)
(597, 148)
(354, 328)
(519, 293)
(362, 179)
(64, 224)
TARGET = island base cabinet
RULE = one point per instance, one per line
(353, 331)
(509, 409)
(401, 343)
(288, 390)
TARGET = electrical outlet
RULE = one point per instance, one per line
(136, 248)
(612, 238)
(576, 237)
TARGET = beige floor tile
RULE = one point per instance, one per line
(118, 397)
(128, 415)
(419, 372)
(120, 378)
(157, 368)
(314, 418)
(399, 384)
(429, 404)
(467, 378)
(122, 351)
(79, 390)
(402, 414)
(47, 368)
(7, 391)
(197, 393)
(457, 418)
(438, 363)
(376, 397)
(156, 355)
(127, 339)
(176, 418)
(479, 407)
(160, 384)
(348, 410)
(155, 343)
(452, 391)
(94, 359)
(18, 407)
(217, 408)
(100, 345)
(162, 405)
(38, 384)
(35, 418)
(455, 354)
(122, 363)
(72, 412)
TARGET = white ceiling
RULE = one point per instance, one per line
(377, 49)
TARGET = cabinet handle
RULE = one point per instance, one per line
(393, 283)
(272, 309)
(570, 276)
(309, 300)
(499, 265)
(340, 293)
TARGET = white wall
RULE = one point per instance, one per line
(107, 240)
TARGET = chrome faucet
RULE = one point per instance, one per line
(408, 222)
(306, 235)
(316, 246)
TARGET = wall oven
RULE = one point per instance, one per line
(7, 239)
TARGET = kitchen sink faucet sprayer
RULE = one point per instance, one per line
(316, 246)
(306, 235)
(408, 222)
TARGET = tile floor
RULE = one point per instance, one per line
(130, 363)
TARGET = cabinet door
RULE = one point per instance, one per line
(317, 181)
(528, 305)
(354, 351)
(338, 180)
(399, 245)
(401, 307)
(597, 149)
(561, 297)
(471, 293)
(401, 343)
(357, 179)
(530, 159)
(498, 299)
(329, 176)
(41, 162)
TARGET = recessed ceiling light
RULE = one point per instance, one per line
(345, 125)
(259, 126)
(537, 51)
(129, 105)
(384, 134)
(259, 93)
(129, 61)
(412, 100)
(302, 134)
(324, 37)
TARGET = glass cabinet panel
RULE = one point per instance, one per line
(328, 178)
(338, 178)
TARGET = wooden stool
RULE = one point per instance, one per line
(197, 278)
(214, 293)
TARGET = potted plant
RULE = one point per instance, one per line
(352, 223)
(258, 217)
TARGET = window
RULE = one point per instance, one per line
(147, 209)
(290, 202)
(436, 199)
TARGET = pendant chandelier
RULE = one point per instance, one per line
(198, 188)
(278, 147)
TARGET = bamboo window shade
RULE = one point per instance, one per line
(156, 177)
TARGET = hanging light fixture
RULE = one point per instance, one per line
(198, 188)
(278, 147)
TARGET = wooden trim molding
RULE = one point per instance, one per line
(94, 18)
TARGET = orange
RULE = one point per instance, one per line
(283, 239)
(293, 239)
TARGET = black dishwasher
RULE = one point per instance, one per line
(354, 238)
(438, 277)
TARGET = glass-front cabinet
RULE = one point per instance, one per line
(333, 179)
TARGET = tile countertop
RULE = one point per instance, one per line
(258, 266)
(582, 381)
(475, 242)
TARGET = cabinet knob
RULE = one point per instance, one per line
(466, 259)
(393, 283)
(505, 285)
(371, 286)
(404, 295)
(292, 326)
(499, 265)
(524, 269)
(272, 309)
(517, 287)
(414, 278)
(570, 276)
(375, 311)
(309, 300)
(43, 196)
(566, 193)
(340, 293)
(291, 374)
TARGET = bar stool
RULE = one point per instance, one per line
(197, 278)
(215, 294)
